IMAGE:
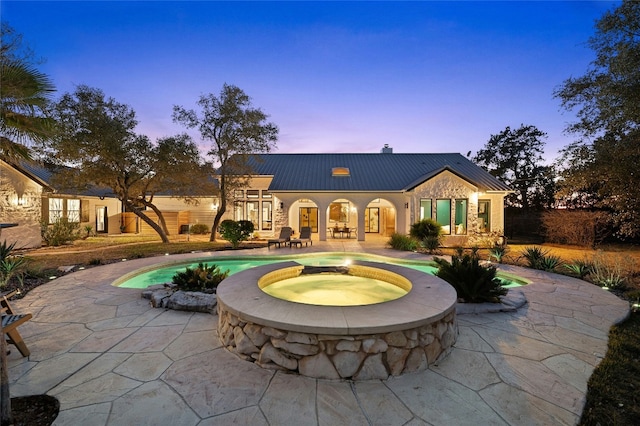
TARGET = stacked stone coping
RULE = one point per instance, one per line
(333, 342)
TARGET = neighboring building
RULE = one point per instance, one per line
(337, 195)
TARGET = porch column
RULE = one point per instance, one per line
(361, 209)
(322, 221)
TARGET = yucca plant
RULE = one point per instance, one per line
(203, 278)
(473, 282)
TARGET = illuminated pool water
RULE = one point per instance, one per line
(165, 272)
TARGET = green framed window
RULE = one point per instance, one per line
(443, 215)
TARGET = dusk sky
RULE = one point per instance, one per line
(333, 76)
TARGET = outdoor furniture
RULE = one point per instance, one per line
(337, 232)
(305, 237)
(10, 323)
(284, 237)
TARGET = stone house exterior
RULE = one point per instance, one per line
(337, 195)
(356, 195)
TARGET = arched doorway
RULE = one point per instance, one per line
(380, 218)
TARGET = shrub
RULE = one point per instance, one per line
(60, 232)
(431, 243)
(235, 232)
(473, 282)
(199, 228)
(203, 278)
(402, 242)
(611, 272)
(486, 240)
(425, 228)
(576, 227)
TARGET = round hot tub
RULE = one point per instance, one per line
(357, 342)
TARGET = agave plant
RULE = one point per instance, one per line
(473, 282)
(534, 256)
(498, 252)
(550, 262)
(580, 268)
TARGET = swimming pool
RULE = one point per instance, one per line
(163, 273)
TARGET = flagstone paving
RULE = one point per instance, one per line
(111, 359)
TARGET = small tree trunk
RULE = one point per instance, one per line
(148, 221)
(157, 211)
(216, 222)
(6, 418)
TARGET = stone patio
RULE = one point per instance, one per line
(112, 359)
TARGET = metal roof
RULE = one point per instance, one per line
(367, 172)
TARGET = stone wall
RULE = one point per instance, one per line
(21, 203)
(360, 357)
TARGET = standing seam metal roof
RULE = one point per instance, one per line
(368, 172)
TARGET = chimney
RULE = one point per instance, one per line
(386, 149)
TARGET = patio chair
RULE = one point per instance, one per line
(284, 237)
(10, 323)
(305, 237)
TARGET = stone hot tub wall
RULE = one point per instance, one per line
(330, 342)
(359, 357)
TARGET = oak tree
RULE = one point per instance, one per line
(235, 130)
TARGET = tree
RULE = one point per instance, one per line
(601, 167)
(24, 94)
(236, 131)
(99, 148)
(515, 157)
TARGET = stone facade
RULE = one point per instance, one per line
(20, 203)
(359, 357)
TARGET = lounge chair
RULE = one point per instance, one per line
(10, 323)
(305, 237)
(285, 236)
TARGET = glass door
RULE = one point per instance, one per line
(309, 217)
(101, 219)
(372, 220)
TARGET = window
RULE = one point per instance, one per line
(238, 194)
(238, 210)
(73, 211)
(340, 171)
(484, 216)
(267, 214)
(253, 213)
(443, 215)
(68, 208)
(266, 194)
(253, 193)
(56, 209)
(425, 208)
(339, 212)
(461, 217)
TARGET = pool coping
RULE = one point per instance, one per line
(429, 300)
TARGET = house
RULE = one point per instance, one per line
(337, 195)
(367, 193)
(28, 199)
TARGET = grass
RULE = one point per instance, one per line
(101, 250)
(613, 396)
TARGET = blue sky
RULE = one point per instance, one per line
(334, 76)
